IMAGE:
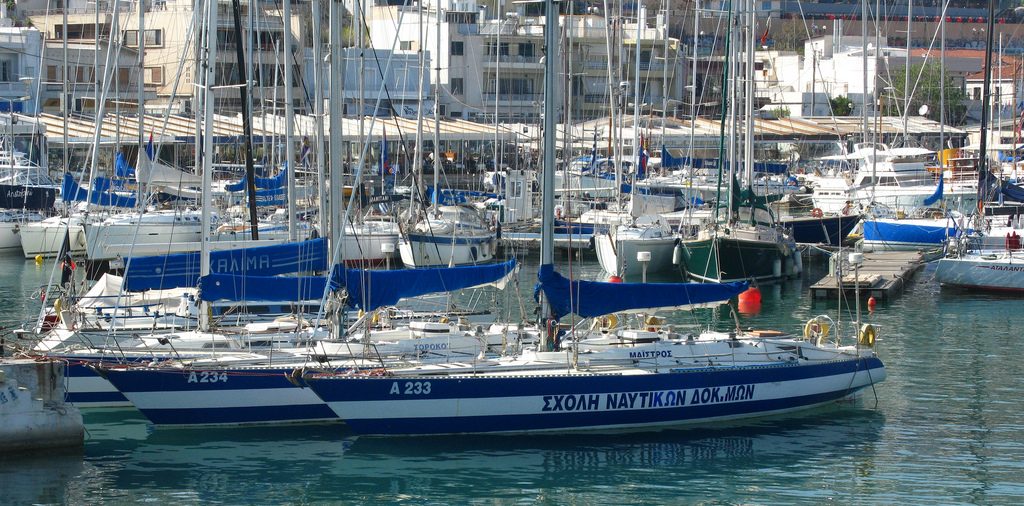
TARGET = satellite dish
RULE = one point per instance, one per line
(923, 110)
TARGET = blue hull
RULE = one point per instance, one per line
(828, 230)
(219, 396)
(555, 402)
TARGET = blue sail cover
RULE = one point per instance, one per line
(371, 289)
(935, 197)
(263, 183)
(595, 298)
(368, 289)
(70, 191)
(121, 167)
(182, 269)
(235, 288)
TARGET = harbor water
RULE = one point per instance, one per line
(944, 428)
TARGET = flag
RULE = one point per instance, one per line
(385, 163)
(593, 155)
(149, 147)
(764, 36)
(304, 155)
(67, 264)
(642, 166)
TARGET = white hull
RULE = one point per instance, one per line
(618, 255)
(442, 251)
(46, 237)
(105, 241)
(995, 271)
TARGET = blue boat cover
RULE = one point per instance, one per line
(368, 289)
(264, 183)
(371, 289)
(182, 269)
(595, 298)
(70, 191)
(454, 197)
(232, 287)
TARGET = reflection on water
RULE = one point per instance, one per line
(127, 460)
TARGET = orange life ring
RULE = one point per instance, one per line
(817, 213)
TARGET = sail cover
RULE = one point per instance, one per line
(368, 289)
(263, 183)
(371, 289)
(27, 197)
(595, 298)
(72, 192)
(161, 272)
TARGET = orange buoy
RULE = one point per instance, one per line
(749, 307)
(872, 303)
(751, 295)
(614, 279)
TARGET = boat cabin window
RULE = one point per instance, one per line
(216, 346)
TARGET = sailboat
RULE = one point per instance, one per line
(658, 379)
(969, 264)
(732, 248)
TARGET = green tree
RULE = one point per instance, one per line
(927, 91)
(841, 106)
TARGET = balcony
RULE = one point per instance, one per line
(514, 61)
(515, 98)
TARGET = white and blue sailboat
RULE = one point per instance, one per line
(668, 380)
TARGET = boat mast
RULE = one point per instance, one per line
(336, 122)
(864, 66)
(207, 167)
(250, 169)
(318, 112)
(547, 235)
(986, 96)
(437, 103)
(289, 120)
(140, 84)
(748, 100)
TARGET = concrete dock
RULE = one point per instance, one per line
(33, 414)
(882, 275)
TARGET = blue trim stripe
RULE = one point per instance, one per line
(170, 380)
(607, 419)
(83, 399)
(362, 388)
(444, 239)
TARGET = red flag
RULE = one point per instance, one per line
(764, 36)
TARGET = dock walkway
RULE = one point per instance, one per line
(883, 275)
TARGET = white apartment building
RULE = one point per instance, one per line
(490, 62)
(18, 66)
(169, 42)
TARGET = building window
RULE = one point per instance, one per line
(6, 69)
(458, 48)
(526, 50)
(123, 76)
(51, 73)
(154, 38)
(154, 75)
(405, 45)
(977, 93)
(457, 86)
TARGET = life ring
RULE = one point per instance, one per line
(816, 330)
(609, 322)
(817, 212)
(938, 215)
(866, 336)
(654, 323)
